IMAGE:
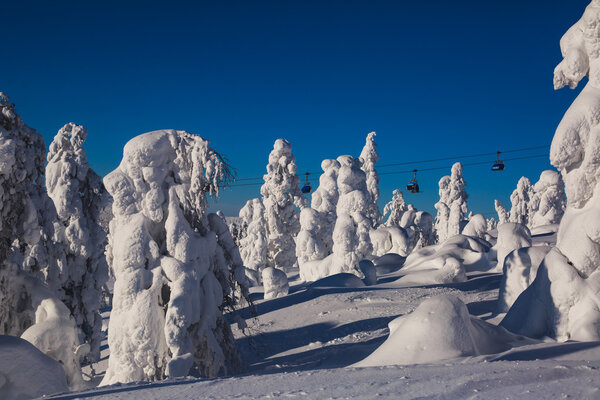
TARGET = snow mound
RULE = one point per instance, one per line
(26, 372)
(388, 263)
(339, 280)
(519, 271)
(451, 271)
(511, 236)
(275, 283)
(390, 239)
(476, 227)
(368, 269)
(440, 328)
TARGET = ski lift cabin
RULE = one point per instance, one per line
(306, 188)
(413, 185)
(498, 165)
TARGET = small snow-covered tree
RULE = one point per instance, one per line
(548, 203)
(253, 247)
(503, 213)
(395, 208)
(351, 240)
(324, 201)
(520, 199)
(280, 193)
(369, 157)
(80, 200)
(176, 269)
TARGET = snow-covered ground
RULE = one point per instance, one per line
(304, 345)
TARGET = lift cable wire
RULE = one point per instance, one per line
(424, 169)
(420, 162)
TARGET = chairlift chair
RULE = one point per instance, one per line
(498, 165)
(306, 188)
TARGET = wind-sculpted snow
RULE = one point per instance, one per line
(369, 157)
(81, 203)
(563, 301)
(280, 193)
(452, 207)
(172, 263)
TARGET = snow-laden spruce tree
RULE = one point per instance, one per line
(369, 157)
(27, 245)
(253, 247)
(324, 201)
(452, 207)
(309, 246)
(548, 203)
(564, 299)
(80, 200)
(520, 199)
(503, 213)
(351, 241)
(175, 268)
(280, 193)
(395, 208)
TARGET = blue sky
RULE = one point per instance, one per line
(434, 79)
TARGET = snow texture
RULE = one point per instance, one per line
(275, 283)
(369, 157)
(26, 373)
(563, 302)
(81, 203)
(452, 207)
(280, 193)
(173, 264)
(439, 329)
(253, 247)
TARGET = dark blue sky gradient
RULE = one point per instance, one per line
(433, 78)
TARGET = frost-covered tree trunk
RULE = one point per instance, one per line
(280, 193)
(324, 201)
(564, 299)
(369, 157)
(395, 208)
(80, 200)
(520, 199)
(253, 247)
(503, 213)
(351, 240)
(27, 246)
(175, 268)
(548, 203)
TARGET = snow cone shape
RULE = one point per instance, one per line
(280, 192)
(439, 329)
(81, 202)
(172, 267)
(564, 299)
(275, 283)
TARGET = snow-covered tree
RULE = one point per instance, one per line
(520, 199)
(80, 200)
(280, 193)
(503, 213)
(548, 203)
(563, 300)
(395, 208)
(253, 247)
(309, 246)
(369, 157)
(351, 240)
(452, 207)
(175, 268)
(324, 201)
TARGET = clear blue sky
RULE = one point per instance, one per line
(432, 78)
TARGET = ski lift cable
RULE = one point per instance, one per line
(422, 161)
(424, 169)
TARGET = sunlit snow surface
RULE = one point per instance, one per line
(301, 346)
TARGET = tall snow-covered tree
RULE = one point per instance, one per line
(369, 157)
(548, 203)
(253, 247)
(309, 246)
(175, 267)
(280, 193)
(324, 201)
(503, 213)
(443, 210)
(452, 207)
(520, 199)
(395, 208)
(80, 200)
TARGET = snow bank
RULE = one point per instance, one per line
(388, 263)
(440, 328)
(339, 280)
(26, 373)
(175, 267)
(275, 283)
